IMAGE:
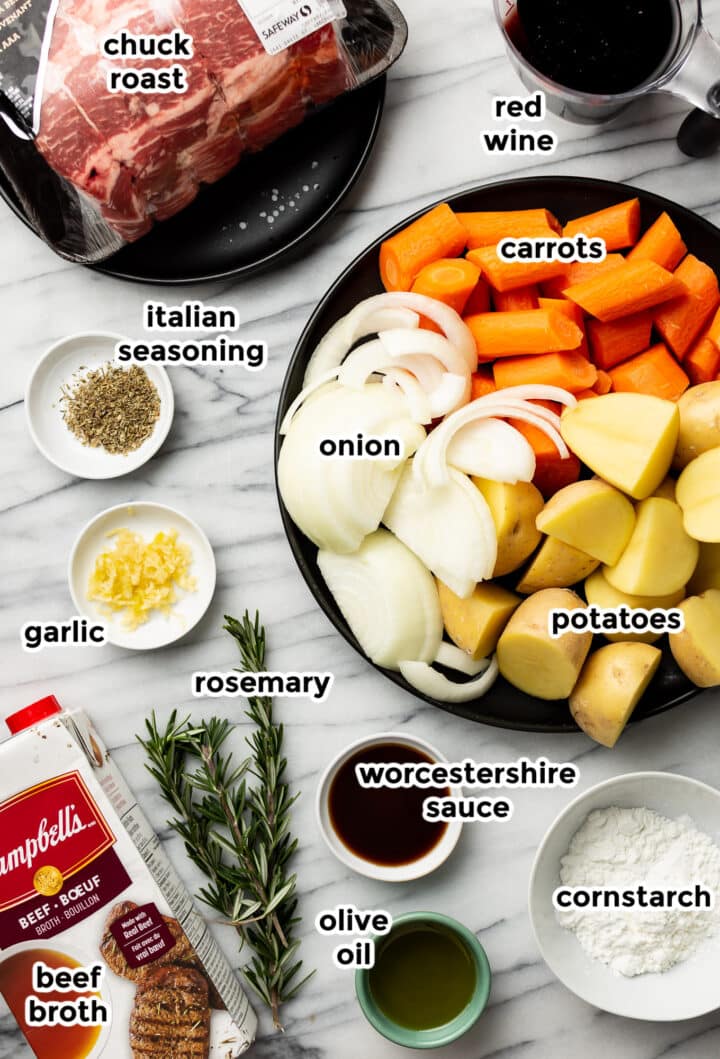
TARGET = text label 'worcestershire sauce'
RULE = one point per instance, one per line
(383, 825)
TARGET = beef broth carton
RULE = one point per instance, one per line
(102, 951)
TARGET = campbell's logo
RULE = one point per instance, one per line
(54, 823)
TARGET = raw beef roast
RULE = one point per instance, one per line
(142, 157)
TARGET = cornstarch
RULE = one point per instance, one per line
(622, 849)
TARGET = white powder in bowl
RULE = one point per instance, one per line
(621, 849)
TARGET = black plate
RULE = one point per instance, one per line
(222, 233)
(504, 706)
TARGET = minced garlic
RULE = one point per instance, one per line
(137, 577)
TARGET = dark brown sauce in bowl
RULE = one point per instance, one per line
(383, 825)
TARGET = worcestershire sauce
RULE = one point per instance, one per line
(383, 825)
(600, 46)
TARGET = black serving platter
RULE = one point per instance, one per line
(226, 231)
(504, 706)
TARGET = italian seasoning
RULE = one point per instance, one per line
(112, 408)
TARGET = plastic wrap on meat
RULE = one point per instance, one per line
(143, 157)
(95, 168)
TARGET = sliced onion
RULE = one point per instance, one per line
(363, 362)
(452, 393)
(435, 685)
(401, 309)
(452, 657)
(305, 393)
(404, 343)
(532, 392)
(449, 527)
(388, 599)
(417, 399)
(493, 449)
(450, 323)
(367, 318)
(338, 502)
(426, 370)
(431, 463)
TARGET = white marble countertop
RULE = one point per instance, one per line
(217, 467)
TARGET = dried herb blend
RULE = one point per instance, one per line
(112, 408)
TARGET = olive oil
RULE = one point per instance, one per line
(424, 976)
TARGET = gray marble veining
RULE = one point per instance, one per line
(217, 467)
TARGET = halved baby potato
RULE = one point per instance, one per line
(514, 508)
(698, 494)
(661, 557)
(697, 648)
(591, 516)
(600, 593)
(556, 565)
(475, 624)
(612, 682)
(628, 439)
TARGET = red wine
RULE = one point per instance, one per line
(599, 46)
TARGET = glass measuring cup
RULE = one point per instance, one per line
(690, 70)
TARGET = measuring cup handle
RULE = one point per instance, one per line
(699, 135)
(697, 82)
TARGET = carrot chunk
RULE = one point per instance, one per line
(449, 280)
(482, 383)
(578, 272)
(604, 383)
(618, 340)
(509, 275)
(618, 225)
(552, 472)
(702, 361)
(516, 300)
(574, 313)
(533, 331)
(661, 243)
(435, 235)
(635, 286)
(713, 331)
(569, 371)
(487, 229)
(479, 300)
(654, 372)
(681, 320)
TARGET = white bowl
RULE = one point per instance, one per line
(43, 407)
(147, 519)
(387, 873)
(685, 991)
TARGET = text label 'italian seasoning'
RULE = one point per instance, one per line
(193, 316)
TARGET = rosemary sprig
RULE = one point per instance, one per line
(234, 820)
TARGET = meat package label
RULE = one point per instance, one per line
(282, 23)
(24, 39)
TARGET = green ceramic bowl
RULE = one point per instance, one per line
(450, 1031)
